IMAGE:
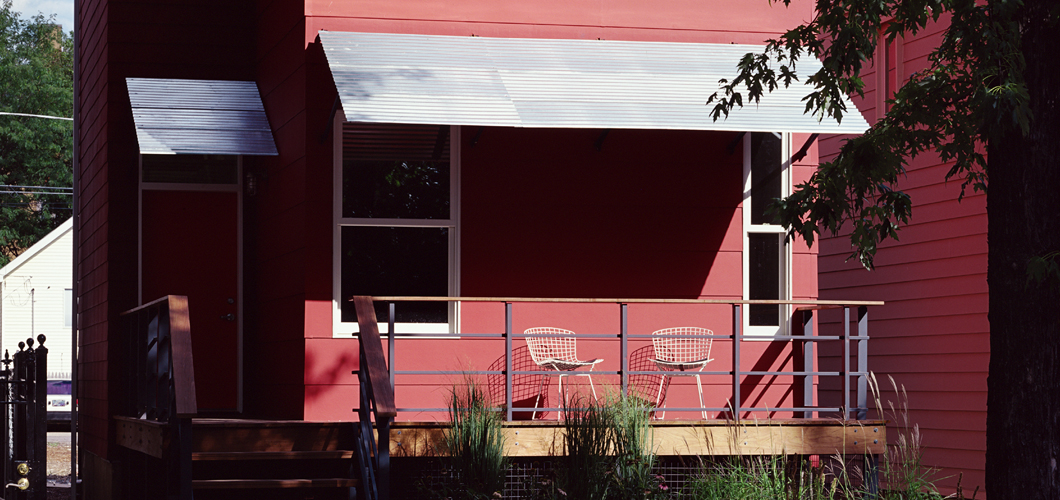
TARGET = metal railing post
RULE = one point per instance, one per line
(846, 363)
(508, 361)
(382, 477)
(625, 347)
(737, 334)
(807, 362)
(390, 345)
(863, 362)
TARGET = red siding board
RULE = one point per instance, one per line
(932, 335)
(960, 265)
(909, 251)
(972, 324)
(669, 18)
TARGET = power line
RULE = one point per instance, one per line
(48, 117)
(16, 189)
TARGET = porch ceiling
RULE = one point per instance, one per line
(199, 117)
(448, 80)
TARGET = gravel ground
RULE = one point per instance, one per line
(59, 462)
(58, 471)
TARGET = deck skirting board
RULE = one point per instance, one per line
(715, 437)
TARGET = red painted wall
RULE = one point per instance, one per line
(652, 214)
(180, 39)
(275, 221)
(932, 337)
(525, 217)
(716, 21)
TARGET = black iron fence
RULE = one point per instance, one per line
(23, 452)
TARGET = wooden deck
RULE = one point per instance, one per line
(711, 437)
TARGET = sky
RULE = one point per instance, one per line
(63, 10)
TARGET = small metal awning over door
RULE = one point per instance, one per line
(447, 80)
(199, 117)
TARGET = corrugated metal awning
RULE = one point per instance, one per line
(447, 80)
(199, 117)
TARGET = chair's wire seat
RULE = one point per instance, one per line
(556, 349)
(683, 351)
(561, 365)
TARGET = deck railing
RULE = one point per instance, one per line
(852, 379)
(377, 400)
(160, 375)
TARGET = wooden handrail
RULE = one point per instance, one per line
(373, 362)
(182, 362)
(809, 303)
(183, 365)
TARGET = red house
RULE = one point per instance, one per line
(270, 160)
(933, 334)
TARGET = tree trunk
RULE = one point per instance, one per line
(1023, 203)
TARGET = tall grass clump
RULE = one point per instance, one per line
(608, 453)
(475, 442)
(634, 453)
(774, 477)
(903, 475)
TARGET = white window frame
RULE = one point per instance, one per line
(784, 256)
(342, 329)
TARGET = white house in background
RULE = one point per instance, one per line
(36, 289)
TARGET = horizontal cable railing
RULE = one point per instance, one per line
(803, 312)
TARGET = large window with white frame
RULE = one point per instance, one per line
(396, 223)
(766, 256)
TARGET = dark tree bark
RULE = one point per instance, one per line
(1023, 204)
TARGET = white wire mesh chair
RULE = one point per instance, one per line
(680, 351)
(558, 351)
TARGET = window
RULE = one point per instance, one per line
(766, 254)
(68, 308)
(396, 204)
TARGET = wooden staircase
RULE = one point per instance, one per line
(172, 454)
(313, 459)
(235, 459)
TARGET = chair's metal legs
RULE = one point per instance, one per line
(537, 402)
(658, 398)
(562, 398)
(563, 393)
(591, 387)
(702, 407)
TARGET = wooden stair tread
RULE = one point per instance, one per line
(203, 484)
(271, 455)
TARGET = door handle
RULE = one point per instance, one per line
(229, 317)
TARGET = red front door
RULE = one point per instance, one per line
(190, 247)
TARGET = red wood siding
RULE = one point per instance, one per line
(653, 214)
(277, 236)
(670, 20)
(526, 190)
(177, 39)
(932, 336)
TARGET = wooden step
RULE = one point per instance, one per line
(272, 455)
(218, 484)
(229, 435)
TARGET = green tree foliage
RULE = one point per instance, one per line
(36, 77)
(974, 81)
(987, 106)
